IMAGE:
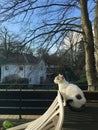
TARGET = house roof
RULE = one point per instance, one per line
(17, 58)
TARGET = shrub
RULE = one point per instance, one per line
(16, 80)
(82, 79)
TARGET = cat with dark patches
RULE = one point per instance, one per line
(72, 95)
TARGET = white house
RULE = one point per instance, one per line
(23, 66)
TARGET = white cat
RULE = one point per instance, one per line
(71, 93)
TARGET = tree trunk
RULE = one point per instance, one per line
(96, 34)
(89, 47)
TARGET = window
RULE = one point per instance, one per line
(21, 68)
(41, 66)
(29, 79)
(41, 80)
(30, 67)
(6, 67)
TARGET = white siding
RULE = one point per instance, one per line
(33, 73)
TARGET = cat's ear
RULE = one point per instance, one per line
(60, 75)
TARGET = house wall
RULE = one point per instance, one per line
(39, 72)
(35, 73)
(7, 70)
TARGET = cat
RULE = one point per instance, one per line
(72, 95)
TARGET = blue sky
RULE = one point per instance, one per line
(12, 27)
(21, 28)
(37, 16)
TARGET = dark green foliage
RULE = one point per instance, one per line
(82, 79)
(68, 73)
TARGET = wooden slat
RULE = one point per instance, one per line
(25, 103)
(33, 111)
(10, 103)
(15, 111)
(23, 111)
(36, 103)
(38, 94)
(10, 95)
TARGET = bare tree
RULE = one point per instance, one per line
(89, 46)
(8, 42)
(54, 24)
(71, 45)
(96, 33)
(52, 18)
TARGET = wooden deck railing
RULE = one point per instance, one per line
(31, 102)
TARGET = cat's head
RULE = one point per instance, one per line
(58, 79)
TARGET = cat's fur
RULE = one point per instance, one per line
(71, 93)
